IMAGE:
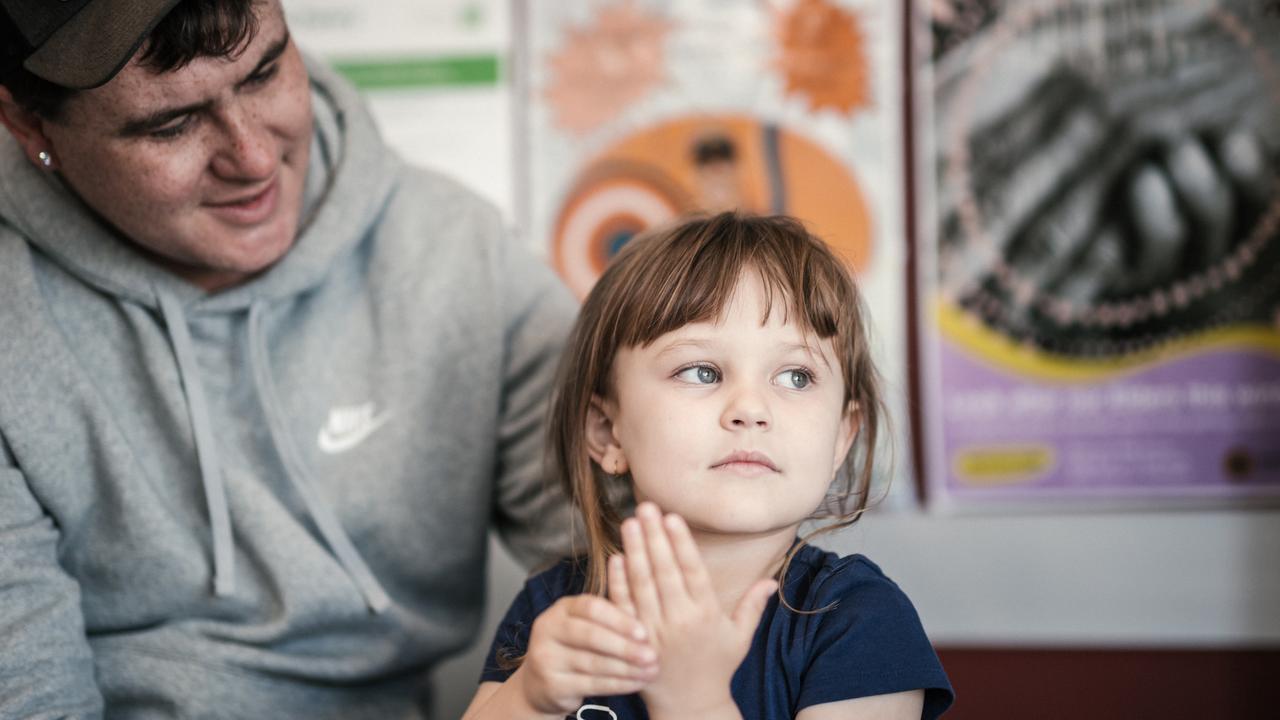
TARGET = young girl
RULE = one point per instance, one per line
(718, 371)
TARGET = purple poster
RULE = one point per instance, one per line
(1100, 225)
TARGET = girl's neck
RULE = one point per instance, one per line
(736, 562)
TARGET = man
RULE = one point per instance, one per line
(263, 388)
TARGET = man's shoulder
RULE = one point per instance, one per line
(433, 190)
(434, 230)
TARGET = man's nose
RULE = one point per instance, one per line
(247, 149)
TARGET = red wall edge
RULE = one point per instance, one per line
(1105, 684)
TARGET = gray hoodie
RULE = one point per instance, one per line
(271, 501)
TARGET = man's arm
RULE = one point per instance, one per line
(531, 510)
(46, 667)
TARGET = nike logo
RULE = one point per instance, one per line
(349, 426)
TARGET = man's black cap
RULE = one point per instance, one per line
(77, 44)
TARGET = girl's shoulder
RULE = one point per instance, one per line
(566, 577)
(818, 578)
(850, 615)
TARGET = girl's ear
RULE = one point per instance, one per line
(849, 426)
(602, 443)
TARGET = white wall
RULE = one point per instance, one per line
(1189, 578)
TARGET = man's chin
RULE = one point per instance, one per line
(228, 271)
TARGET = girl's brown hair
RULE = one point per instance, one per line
(669, 278)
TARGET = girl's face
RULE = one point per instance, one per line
(737, 426)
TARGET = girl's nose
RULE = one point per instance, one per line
(747, 409)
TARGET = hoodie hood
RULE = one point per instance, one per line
(339, 203)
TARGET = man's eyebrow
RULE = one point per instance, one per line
(272, 54)
(160, 118)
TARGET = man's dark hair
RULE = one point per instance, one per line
(193, 29)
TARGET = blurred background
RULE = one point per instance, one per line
(1065, 217)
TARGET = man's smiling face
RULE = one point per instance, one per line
(202, 166)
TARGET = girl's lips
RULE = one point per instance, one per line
(250, 210)
(746, 463)
(747, 456)
(746, 469)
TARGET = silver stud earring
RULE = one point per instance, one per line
(45, 158)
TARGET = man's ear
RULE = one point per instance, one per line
(602, 443)
(25, 126)
(849, 425)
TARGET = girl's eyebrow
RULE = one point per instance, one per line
(810, 351)
(694, 343)
(705, 345)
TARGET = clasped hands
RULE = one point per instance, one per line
(661, 632)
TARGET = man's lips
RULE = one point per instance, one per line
(248, 208)
(744, 460)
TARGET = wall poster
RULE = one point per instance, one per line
(635, 112)
(435, 75)
(1101, 258)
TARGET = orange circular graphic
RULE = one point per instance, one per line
(705, 163)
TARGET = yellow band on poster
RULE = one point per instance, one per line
(971, 334)
(1007, 465)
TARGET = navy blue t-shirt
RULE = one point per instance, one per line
(870, 643)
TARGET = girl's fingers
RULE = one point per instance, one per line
(619, 591)
(639, 574)
(586, 636)
(667, 576)
(600, 611)
(596, 665)
(687, 556)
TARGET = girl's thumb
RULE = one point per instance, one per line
(747, 615)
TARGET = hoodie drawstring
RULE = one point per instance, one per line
(215, 495)
(375, 597)
(211, 472)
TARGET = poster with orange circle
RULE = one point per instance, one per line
(634, 113)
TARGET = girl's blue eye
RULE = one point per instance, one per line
(795, 379)
(699, 375)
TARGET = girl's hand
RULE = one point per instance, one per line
(663, 581)
(580, 646)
